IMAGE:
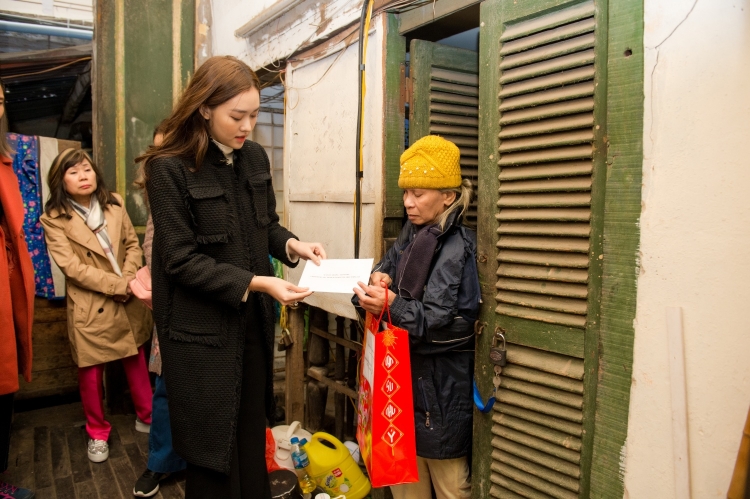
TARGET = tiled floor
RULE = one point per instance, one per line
(48, 455)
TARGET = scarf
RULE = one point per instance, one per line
(93, 217)
(414, 266)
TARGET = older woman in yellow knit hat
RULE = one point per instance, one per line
(432, 275)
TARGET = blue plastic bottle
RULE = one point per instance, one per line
(301, 462)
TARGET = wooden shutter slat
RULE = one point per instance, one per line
(543, 288)
(541, 485)
(547, 126)
(535, 456)
(452, 119)
(465, 141)
(545, 229)
(544, 258)
(522, 489)
(536, 70)
(548, 96)
(546, 171)
(447, 98)
(469, 161)
(452, 130)
(450, 76)
(543, 273)
(541, 406)
(547, 155)
(562, 244)
(546, 111)
(552, 381)
(536, 443)
(549, 81)
(468, 151)
(550, 362)
(562, 214)
(498, 492)
(543, 472)
(574, 429)
(539, 431)
(546, 185)
(549, 51)
(549, 36)
(547, 316)
(545, 393)
(542, 302)
(552, 199)
(454, 88)
(548, 21)
(439, 107)
(547, 140)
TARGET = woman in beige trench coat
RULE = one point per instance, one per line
(92, 240)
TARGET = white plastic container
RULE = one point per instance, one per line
(283, 435)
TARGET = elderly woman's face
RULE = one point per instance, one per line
(424, 206)
(80, 181)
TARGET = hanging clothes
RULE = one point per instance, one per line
(26, 168)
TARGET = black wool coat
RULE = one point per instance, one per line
(213, 231)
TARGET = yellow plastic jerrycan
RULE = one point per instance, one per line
(334, 469)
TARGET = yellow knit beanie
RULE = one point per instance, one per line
(430, 163)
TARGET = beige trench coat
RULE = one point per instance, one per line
(99, 328)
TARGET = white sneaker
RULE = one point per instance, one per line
(98, 450)
(141, 426)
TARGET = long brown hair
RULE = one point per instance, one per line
(5, 149)
(186, 132)
(58, 197)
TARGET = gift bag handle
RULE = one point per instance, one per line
(387, 307)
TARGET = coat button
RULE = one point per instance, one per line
(88, 254)
(100, 310)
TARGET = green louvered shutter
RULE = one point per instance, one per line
(542, 94)
(445, 102)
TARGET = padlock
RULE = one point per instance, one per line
(285, 341)
(498, 355)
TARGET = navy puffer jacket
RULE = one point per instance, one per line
(441, 330)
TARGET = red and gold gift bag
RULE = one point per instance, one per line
(385, 423)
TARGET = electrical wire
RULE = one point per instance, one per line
(364, 29)
(50, 69)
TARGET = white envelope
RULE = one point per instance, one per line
(336, 276)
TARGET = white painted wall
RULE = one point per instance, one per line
(319, 155)
(310, 21)
(695, 243)
(73, 10)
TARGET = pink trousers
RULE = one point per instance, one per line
(90, 385)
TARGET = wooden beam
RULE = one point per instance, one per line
(335, 386)
(415, 18)
(295, 367)
(352, 345)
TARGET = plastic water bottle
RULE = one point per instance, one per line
(301, 461)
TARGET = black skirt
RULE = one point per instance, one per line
(248, 476)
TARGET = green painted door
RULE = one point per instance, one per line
(542, 164)
(142, 59)
(445, 102)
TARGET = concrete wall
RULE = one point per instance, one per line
(695, 242)
(74, 10)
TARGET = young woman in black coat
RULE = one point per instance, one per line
(215, 224)
(434, 294)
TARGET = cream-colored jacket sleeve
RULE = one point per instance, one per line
(81, 274)
(133, 251)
